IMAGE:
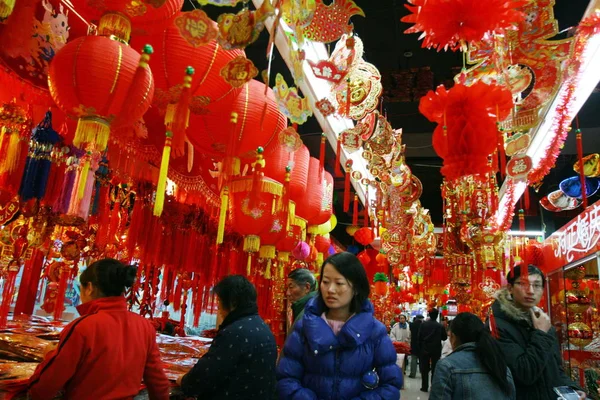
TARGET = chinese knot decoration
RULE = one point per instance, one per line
(466, 133)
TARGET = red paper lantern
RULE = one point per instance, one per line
(326, 209)
(257, 121)
(309, 206)
(364, 259)
(174, 50)
(98, 81)
(364, 236)
(122, 17)
(322, 244)
(466, 133)
(278, 158)
(29, 39)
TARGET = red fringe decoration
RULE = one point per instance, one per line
(501, 155)
(177, 294)
(322, 151)
(347, 190)
(355, 211)
(338, 160)
(115, 220)
(493, 326)
(104, 218)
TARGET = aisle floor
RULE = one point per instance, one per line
(412, 388)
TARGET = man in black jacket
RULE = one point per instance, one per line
(240, 364)
(414, 344)
(431, 335)
(527, 337)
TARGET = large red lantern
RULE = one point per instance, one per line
(309, 206)
(278, 158)
(122, 17)
(326, 209)
(237, 124)
(102, 83)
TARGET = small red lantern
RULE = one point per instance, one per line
(278, 158)
(102, 83)
(364, 258)
(326, 209)
(309, 206)
(364, 236)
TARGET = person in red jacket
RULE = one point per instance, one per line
(105, 353)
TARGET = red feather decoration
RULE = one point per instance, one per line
(454, 23)
(468, 114)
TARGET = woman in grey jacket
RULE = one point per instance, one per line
(475, 369)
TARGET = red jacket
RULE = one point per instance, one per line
(103, 355)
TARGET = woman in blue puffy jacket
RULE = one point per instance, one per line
(338, 350)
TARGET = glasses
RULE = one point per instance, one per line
(538, 287)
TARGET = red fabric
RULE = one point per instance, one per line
(103, 354)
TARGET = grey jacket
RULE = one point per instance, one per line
(461, 376)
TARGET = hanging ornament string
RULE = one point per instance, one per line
(580, 160)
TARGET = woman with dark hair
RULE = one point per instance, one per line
(105, 353)
(527, 337)
(240, 363)
(475, 369)
(338, 350)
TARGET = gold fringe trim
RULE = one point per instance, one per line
(115, 24)
(283, 256)
(267, 251)
(92, 130)
(268, 270)
(223, 214)
(11, 160)
(251, 243)
(266, 186)
(6, 8)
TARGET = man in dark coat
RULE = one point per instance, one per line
(301, 286)
(527, 338)
(240, 364)
(431, 335)
(414, 344)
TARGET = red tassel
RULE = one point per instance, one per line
(521, 220)
(347, 186)
(338, 160)
(527, 199)
(181, 116)
(104, 217)
(355, 211)
(493, 326)
(115, 220)
(366, 209)
(501, 155)
(581, 171)
(348, 95)
(322, 151)
(177, 294)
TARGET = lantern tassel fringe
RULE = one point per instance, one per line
(159, 202)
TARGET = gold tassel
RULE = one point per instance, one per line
(283, 256)
(223, 214)
(267, 251)
(251, 243)
(92, 130)
(268, 270)
(115, 25)
(159, 202)
(6, 8)
(12, 152)
(83, 177)
(249, 265)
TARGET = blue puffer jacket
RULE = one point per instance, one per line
(317, 365)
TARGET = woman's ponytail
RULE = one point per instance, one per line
(109, 276)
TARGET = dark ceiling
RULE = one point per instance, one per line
(399, 57)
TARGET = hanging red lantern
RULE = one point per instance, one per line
(466, 133)
(364, 236)
(279, 158)
(322, 243)
(364, 258)
(102, 83)
(293, 236)
(121, 18)
(309, 206)
(176, 49)
(29, 39)
(257, 122)
(326, 209)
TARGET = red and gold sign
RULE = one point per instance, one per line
(518, 167)
(330, 22)
(8, 211)
(359, 94)
(325, 107)
(196, 27)
(290, 139)
(236, 31)
(327, 70)
(239, 71)
(517, 143)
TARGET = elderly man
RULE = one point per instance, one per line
(301, 286)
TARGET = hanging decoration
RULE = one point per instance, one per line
(466, 132)
(239, 71)
(291, 104)
(237, 31)
(453, 25)
(325, 107)
(359, 94)
(196, 27)
(330, 22)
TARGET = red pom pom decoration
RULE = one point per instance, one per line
(466, 132)
(454, 23)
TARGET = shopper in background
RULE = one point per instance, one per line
(338, 350)
(446, 345)
(431, 336)
(240, 363)
(527, 338)
(414, 344)
(301, 286)
(401, 332)
(105, 353)
(476, 369)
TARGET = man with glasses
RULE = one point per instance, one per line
(527, 337)
(300, 287)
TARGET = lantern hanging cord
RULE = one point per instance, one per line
(70, 6)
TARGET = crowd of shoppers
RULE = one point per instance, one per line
(336, 349)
